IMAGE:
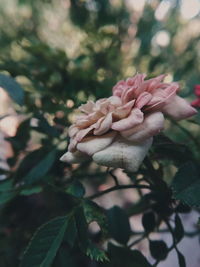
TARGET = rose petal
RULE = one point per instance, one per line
(104, 126)
(179, 109)
(93, 144)
(72, 145)
(143, 100)
(82, 133)
(76, 157)
(88, 107)
(73, 130)
(135, 118)
(123, 111)
(196, 103)
(162, 97)
(115, 101)
(151, 84)
(197, 90)
(151, 126)
(123, 154)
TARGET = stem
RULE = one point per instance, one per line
(114, 177)
(137, 241)
(118, 187)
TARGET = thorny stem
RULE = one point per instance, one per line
(118, 187)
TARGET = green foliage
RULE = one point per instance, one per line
(55, 55)
(118, 220)
(6, 191)
(158, 249)
(178, 230)
(76, 189)
(14, 90)
(121, 256)
(186, 184)
(149, 221)
(45, 243)
(41, 169)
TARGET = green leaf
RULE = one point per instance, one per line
(45, 243)
(149, 221)
(85, 243)
(76, 189)
(71, 232)
(7, 191)
(14, 90)
(121, 256)
(31, 190)
(119, 226)
(178, 230)
(93, 212)
(186, 185)
(65, 258)
(41, 169)
(44, 127)
(95, 253)
(181, 259)
(158, 249)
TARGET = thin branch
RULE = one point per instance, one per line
(114, 177)
(137, 241)
(118, 187)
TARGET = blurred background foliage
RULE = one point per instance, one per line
(63, 53)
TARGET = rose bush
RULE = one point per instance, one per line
(118, 131)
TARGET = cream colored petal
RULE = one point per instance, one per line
(82, 133)
(123, 111)
(76, 157)
(73, 130)
(123, 154)
(135, 118)
(88, 107)
(105, 125)
(93, 144)
(151, 126)
(115, 101)
(179, 109)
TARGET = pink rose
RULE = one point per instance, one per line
(117, 131)
(196, 102)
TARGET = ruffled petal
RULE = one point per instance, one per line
(104, 126)
(123, 111)
(123, 154)
(179, 109)
(151, 126)
(143, 99)
(135, 118)
(88, 107)
(161, 97)
(76, 157)
(82, 133)
(73, 130)
(93, 144)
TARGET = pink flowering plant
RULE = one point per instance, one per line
(98, 169)
(118, 131)
(126, 133)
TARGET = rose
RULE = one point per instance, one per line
(196, 102)
(117, 131)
